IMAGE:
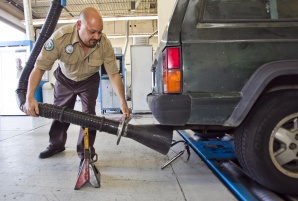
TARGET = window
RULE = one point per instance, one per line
(8, 33)
(251, 10)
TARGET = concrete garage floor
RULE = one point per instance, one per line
(129, 171)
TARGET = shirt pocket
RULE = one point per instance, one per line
(69, 62)
(69, 59)
(94, 65)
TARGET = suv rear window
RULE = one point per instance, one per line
(251, 10)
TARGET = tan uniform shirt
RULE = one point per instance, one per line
(64, 45)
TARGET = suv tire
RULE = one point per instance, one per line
(266, 143)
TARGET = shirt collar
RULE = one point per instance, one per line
(75, 36)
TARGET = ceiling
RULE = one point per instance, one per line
(109, 9)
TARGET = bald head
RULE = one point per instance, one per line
(89, 26)
(90, 14)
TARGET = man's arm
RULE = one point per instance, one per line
(117, 84)
(31, 105)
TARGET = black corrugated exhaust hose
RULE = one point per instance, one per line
(47, 30)
(156, 137)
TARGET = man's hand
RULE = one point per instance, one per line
(31, 107)
(125, 110)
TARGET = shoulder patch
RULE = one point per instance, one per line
(49, 45)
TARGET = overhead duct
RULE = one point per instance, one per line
(156, 137)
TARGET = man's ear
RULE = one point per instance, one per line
(78, 24)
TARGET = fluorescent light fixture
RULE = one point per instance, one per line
(105, 19)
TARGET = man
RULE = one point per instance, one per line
(81, 50)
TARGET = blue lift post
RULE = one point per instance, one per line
(219, 157)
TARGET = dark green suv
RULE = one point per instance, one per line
(231, 66)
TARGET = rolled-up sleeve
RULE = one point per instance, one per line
(46, 58)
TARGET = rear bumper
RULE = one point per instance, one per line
(170, 109)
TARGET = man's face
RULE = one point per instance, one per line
(90, 32)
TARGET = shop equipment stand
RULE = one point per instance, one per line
(220, 157)
(107, 97)
(88, 171)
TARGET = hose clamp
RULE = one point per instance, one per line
(123, 121)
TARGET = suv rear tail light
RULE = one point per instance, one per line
(172, 70)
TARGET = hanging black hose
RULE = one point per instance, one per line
(156, 137)
(46, 31)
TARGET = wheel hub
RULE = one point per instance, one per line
(284, 146)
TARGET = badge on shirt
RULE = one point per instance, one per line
(69, 49)
(49, 45)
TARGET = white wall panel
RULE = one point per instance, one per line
(141, 62)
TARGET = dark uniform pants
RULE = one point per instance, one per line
(65, 94)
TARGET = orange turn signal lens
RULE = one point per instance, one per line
(172, 81)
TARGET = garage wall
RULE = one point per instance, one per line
(135, 27)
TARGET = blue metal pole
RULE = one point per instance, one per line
(63, 3)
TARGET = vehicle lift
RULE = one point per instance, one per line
(219, 156)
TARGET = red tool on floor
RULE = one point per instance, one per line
(88, 171)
